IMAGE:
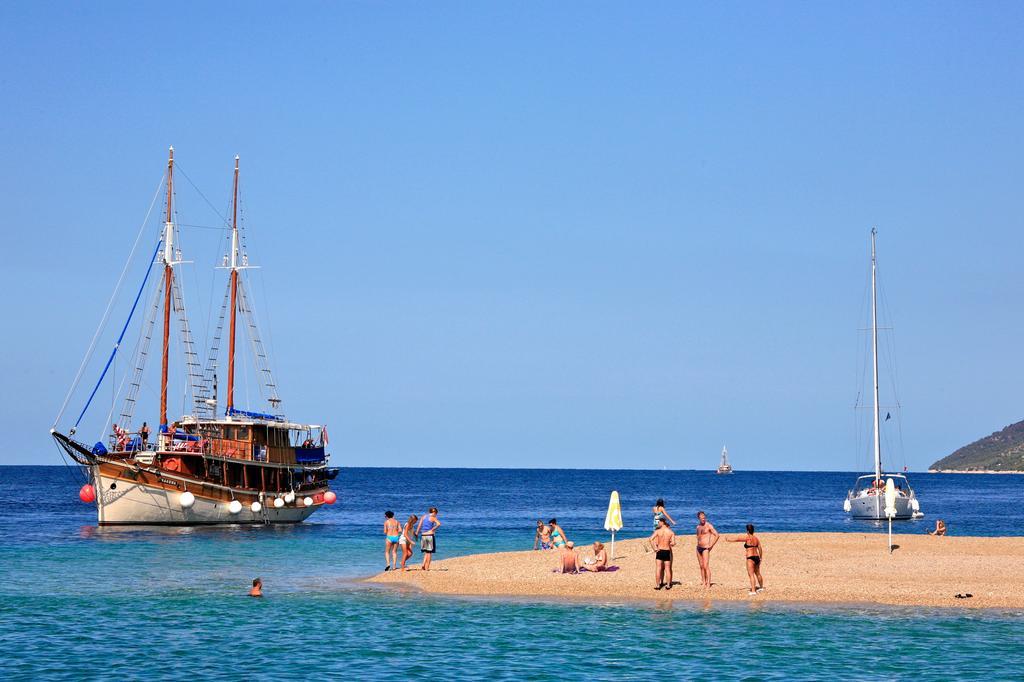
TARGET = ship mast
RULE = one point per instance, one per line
(874, 353)
(168, 259)
(234, 294)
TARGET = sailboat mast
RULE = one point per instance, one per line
(234, 293)
(168, 281)
(874, 353)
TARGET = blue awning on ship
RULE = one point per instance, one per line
(303, 455)
(232, 412)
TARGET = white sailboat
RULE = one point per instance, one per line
(867, 498)
(724, 467)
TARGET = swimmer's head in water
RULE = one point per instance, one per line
(257, 582)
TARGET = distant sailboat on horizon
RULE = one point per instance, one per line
(724, 467)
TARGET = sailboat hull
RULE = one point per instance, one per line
(872, 508)
(125, 502)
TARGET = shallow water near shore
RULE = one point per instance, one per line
(77, 601)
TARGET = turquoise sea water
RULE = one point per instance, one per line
(80, 602)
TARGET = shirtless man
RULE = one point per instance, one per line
(542, 538)
(707, 536)
(257, 588)
(568, 559)
(662, 541)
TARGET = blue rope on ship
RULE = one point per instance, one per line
(121, 337)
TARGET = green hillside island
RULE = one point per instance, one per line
(1002, 451)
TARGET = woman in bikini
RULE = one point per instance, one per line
(557, 534)
(408, 539)
(659, 513)
(754, 552)
(392, 533)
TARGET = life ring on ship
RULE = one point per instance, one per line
(172, 464)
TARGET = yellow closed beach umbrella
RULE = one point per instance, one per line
(613, 519)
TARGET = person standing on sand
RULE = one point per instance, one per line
(542, 538)
(557, 534)
(755, 554)
(707, 536)
(426, 529)
(659, 513)
(392, 534)
(662, 541)
(408, 539)
(568, 559)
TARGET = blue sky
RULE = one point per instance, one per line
(538, 235)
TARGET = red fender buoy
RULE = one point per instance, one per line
(330, 497)
(87, 494)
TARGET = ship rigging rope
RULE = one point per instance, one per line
(120, 338)
(110, 304)
(227, 223)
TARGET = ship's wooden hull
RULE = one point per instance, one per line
(127, 497)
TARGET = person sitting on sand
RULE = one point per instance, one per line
(940, 528)
(557, 534)
(408, 539)
(659, 513)
(392, 533)
(755, 553)
(568, 559)
(599, 562)
(707, 536)
(257, 588)
(662, 541)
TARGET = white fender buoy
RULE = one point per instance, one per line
(186, 500)
(289, 497)
(278, 502)
(846, 505)
(255, 507)
(308, 501)
(235, 506)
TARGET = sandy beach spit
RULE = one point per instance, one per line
(797, 567)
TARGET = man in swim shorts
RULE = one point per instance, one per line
(662, 541)
(426, 529)
(707, 536)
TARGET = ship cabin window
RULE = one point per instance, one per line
(237, 433)
(278, 438)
